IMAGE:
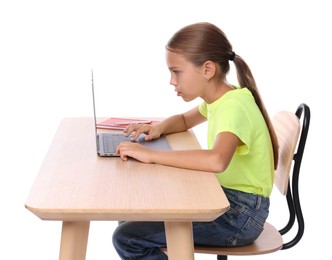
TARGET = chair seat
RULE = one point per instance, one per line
(269, 241)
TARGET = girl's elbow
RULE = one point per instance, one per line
(219, 166)
(219, 169)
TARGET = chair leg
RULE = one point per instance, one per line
(222, 257)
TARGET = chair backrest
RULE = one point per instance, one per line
(287, 127)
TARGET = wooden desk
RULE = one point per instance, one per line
(76, 186)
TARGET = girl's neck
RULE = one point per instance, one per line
(217, 91)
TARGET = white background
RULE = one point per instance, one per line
(47, 49)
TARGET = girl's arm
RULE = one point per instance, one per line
(214, 160)
(181, 122)
(173, 124)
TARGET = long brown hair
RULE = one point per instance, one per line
(201, 42)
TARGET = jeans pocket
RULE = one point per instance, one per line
(249, 232)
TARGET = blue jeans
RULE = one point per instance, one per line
(239, 226)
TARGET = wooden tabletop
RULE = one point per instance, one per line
(74, 184)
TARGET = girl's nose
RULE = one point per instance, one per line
(173, 82)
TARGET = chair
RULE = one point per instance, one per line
(288, 127)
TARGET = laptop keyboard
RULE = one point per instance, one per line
(110, 142)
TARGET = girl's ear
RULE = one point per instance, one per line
(209, 69)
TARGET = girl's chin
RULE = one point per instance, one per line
(187, 99)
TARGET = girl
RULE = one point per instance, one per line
(242, 146)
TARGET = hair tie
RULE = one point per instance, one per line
(232, 56)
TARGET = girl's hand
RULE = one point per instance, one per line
(151, 131)
(134, 150)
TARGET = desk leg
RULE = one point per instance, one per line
(180, 242)
(74, 240)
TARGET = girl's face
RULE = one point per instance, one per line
(187, 79)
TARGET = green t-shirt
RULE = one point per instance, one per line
(251, 168)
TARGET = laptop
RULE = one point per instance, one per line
(106, 143)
